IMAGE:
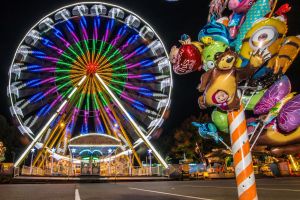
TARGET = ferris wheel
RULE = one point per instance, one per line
(90, 68)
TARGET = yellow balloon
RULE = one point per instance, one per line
(273, 137)
(267, 33)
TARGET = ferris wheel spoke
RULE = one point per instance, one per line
(62, 40)
(141, 49)
(130, 98)
(117, 60)
(105, 117)
(85, 127)
(118, 127)
(77, 45)
(98, 124)
(26, 52)
(96, 27)
(43, 129)
(137, 128)
(76, 63)
(71, 124)
(112, 44)
(84, 35)
(34, 37)
(104, 110)
(104, 40)
(74, 116)
(130, 43)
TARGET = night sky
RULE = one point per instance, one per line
(169, 19)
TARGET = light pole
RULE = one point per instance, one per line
(130, 163)
(150, 161)
(116, 165)
(109, 151)
(32, 152)
(73, 152)
(52, 150)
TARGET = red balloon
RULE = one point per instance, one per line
(188, 60)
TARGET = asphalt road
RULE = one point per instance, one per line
(272, 188)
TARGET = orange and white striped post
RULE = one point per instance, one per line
(242, 157)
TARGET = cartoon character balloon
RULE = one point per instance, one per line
(239, 8)
(209, 52)
(216, 8)
(287, 53)
(217, 31)
(258, 10)
(220, 84)
(265, 36)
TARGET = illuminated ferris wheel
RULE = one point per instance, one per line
(90, 68)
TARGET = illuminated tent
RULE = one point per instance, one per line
(93, 144)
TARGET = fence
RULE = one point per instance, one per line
(104, 171)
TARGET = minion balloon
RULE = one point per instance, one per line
(266, 36)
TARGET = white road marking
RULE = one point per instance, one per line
(259, 188)
(170, 194)
(279, 189)
(288, 184)
(206, 186)
(77, 196)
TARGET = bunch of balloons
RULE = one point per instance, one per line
(244, 58)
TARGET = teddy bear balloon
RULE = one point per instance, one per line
(220, 84)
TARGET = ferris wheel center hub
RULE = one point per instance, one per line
(91, 68)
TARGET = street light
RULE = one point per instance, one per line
(130, 163)
(109, 151)
(150, 161)
(52, 150)
(73, 152)
(32, 152)
(116, 125)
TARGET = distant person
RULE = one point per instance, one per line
(275, 170)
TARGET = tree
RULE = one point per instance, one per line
(12, 139)
(186, 137)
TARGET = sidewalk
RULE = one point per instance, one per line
(85, 179)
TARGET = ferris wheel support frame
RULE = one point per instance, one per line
(45, 145)
(46, 126)
(126, 137)
(133, 123)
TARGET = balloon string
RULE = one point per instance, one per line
(273, 9)
(224, 144)
(253, 132)
(243, 92)
(254, 142)
(249, 100)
